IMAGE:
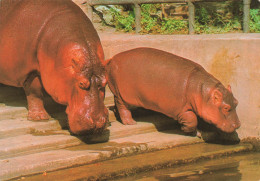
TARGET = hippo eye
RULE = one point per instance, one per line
(226, 109)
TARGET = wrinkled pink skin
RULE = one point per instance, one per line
(52, 44)
(166, 83)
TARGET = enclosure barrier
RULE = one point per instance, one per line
(191, 9)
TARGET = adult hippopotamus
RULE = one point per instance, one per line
(51, 44)
(175, 86)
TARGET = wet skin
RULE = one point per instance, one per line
(166, 83)
(51, 44)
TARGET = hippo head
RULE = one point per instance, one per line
(77, 79)
(220, 109)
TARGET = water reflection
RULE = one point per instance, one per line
(227, 172)
(231, 168)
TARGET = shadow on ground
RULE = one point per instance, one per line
(209, 133)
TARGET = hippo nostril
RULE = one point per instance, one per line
(101, 123)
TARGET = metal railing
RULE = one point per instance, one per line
(191, 9)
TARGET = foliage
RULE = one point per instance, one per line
(124, 22)
(158, 24)
(208, 19)
(149, 23)
(255, 20)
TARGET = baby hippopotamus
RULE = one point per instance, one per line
(175, 86)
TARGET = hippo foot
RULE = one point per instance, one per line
(188, 129)
(128, 121)
(37, 115)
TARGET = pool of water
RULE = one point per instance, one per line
(244, 167)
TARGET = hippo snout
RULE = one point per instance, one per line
(236, 125)
(84, 124)
(229, 127)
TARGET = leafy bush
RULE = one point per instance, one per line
(255, 20)
(148, 23)
(124, 22)
(208, 19)
(218, 19)
(158, 24)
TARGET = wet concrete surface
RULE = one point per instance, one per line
(241, 167)
(130, 165)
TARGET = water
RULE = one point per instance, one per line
(234, 168)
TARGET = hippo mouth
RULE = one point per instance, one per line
(228, 127)
(88, 126)
(81, 123)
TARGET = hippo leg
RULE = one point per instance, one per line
(124, 112)
(34, 95)
(189, 121)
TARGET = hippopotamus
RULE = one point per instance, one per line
(177, 87)
(52, 45)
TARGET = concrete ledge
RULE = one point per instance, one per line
(10, 112)
(85, 154)
(16, 127)
(114, 168)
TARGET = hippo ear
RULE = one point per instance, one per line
(229, 88)
(217, 97)
(84, 83)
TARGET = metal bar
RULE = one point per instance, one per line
(90, 12)
(191, 17)
(137, 18)
(246, 15)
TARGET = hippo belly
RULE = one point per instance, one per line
(166, 83)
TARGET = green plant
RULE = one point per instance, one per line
(152, 22)
(208, 19)
(171, 26)
(255, 20)
(225, 17)
(148, 23)
(123, 22)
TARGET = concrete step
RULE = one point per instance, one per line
(28, 144)
(145, 124)
(41, 136)
(125, 166)
(85, 154)
(16, 127)
(11, 112)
